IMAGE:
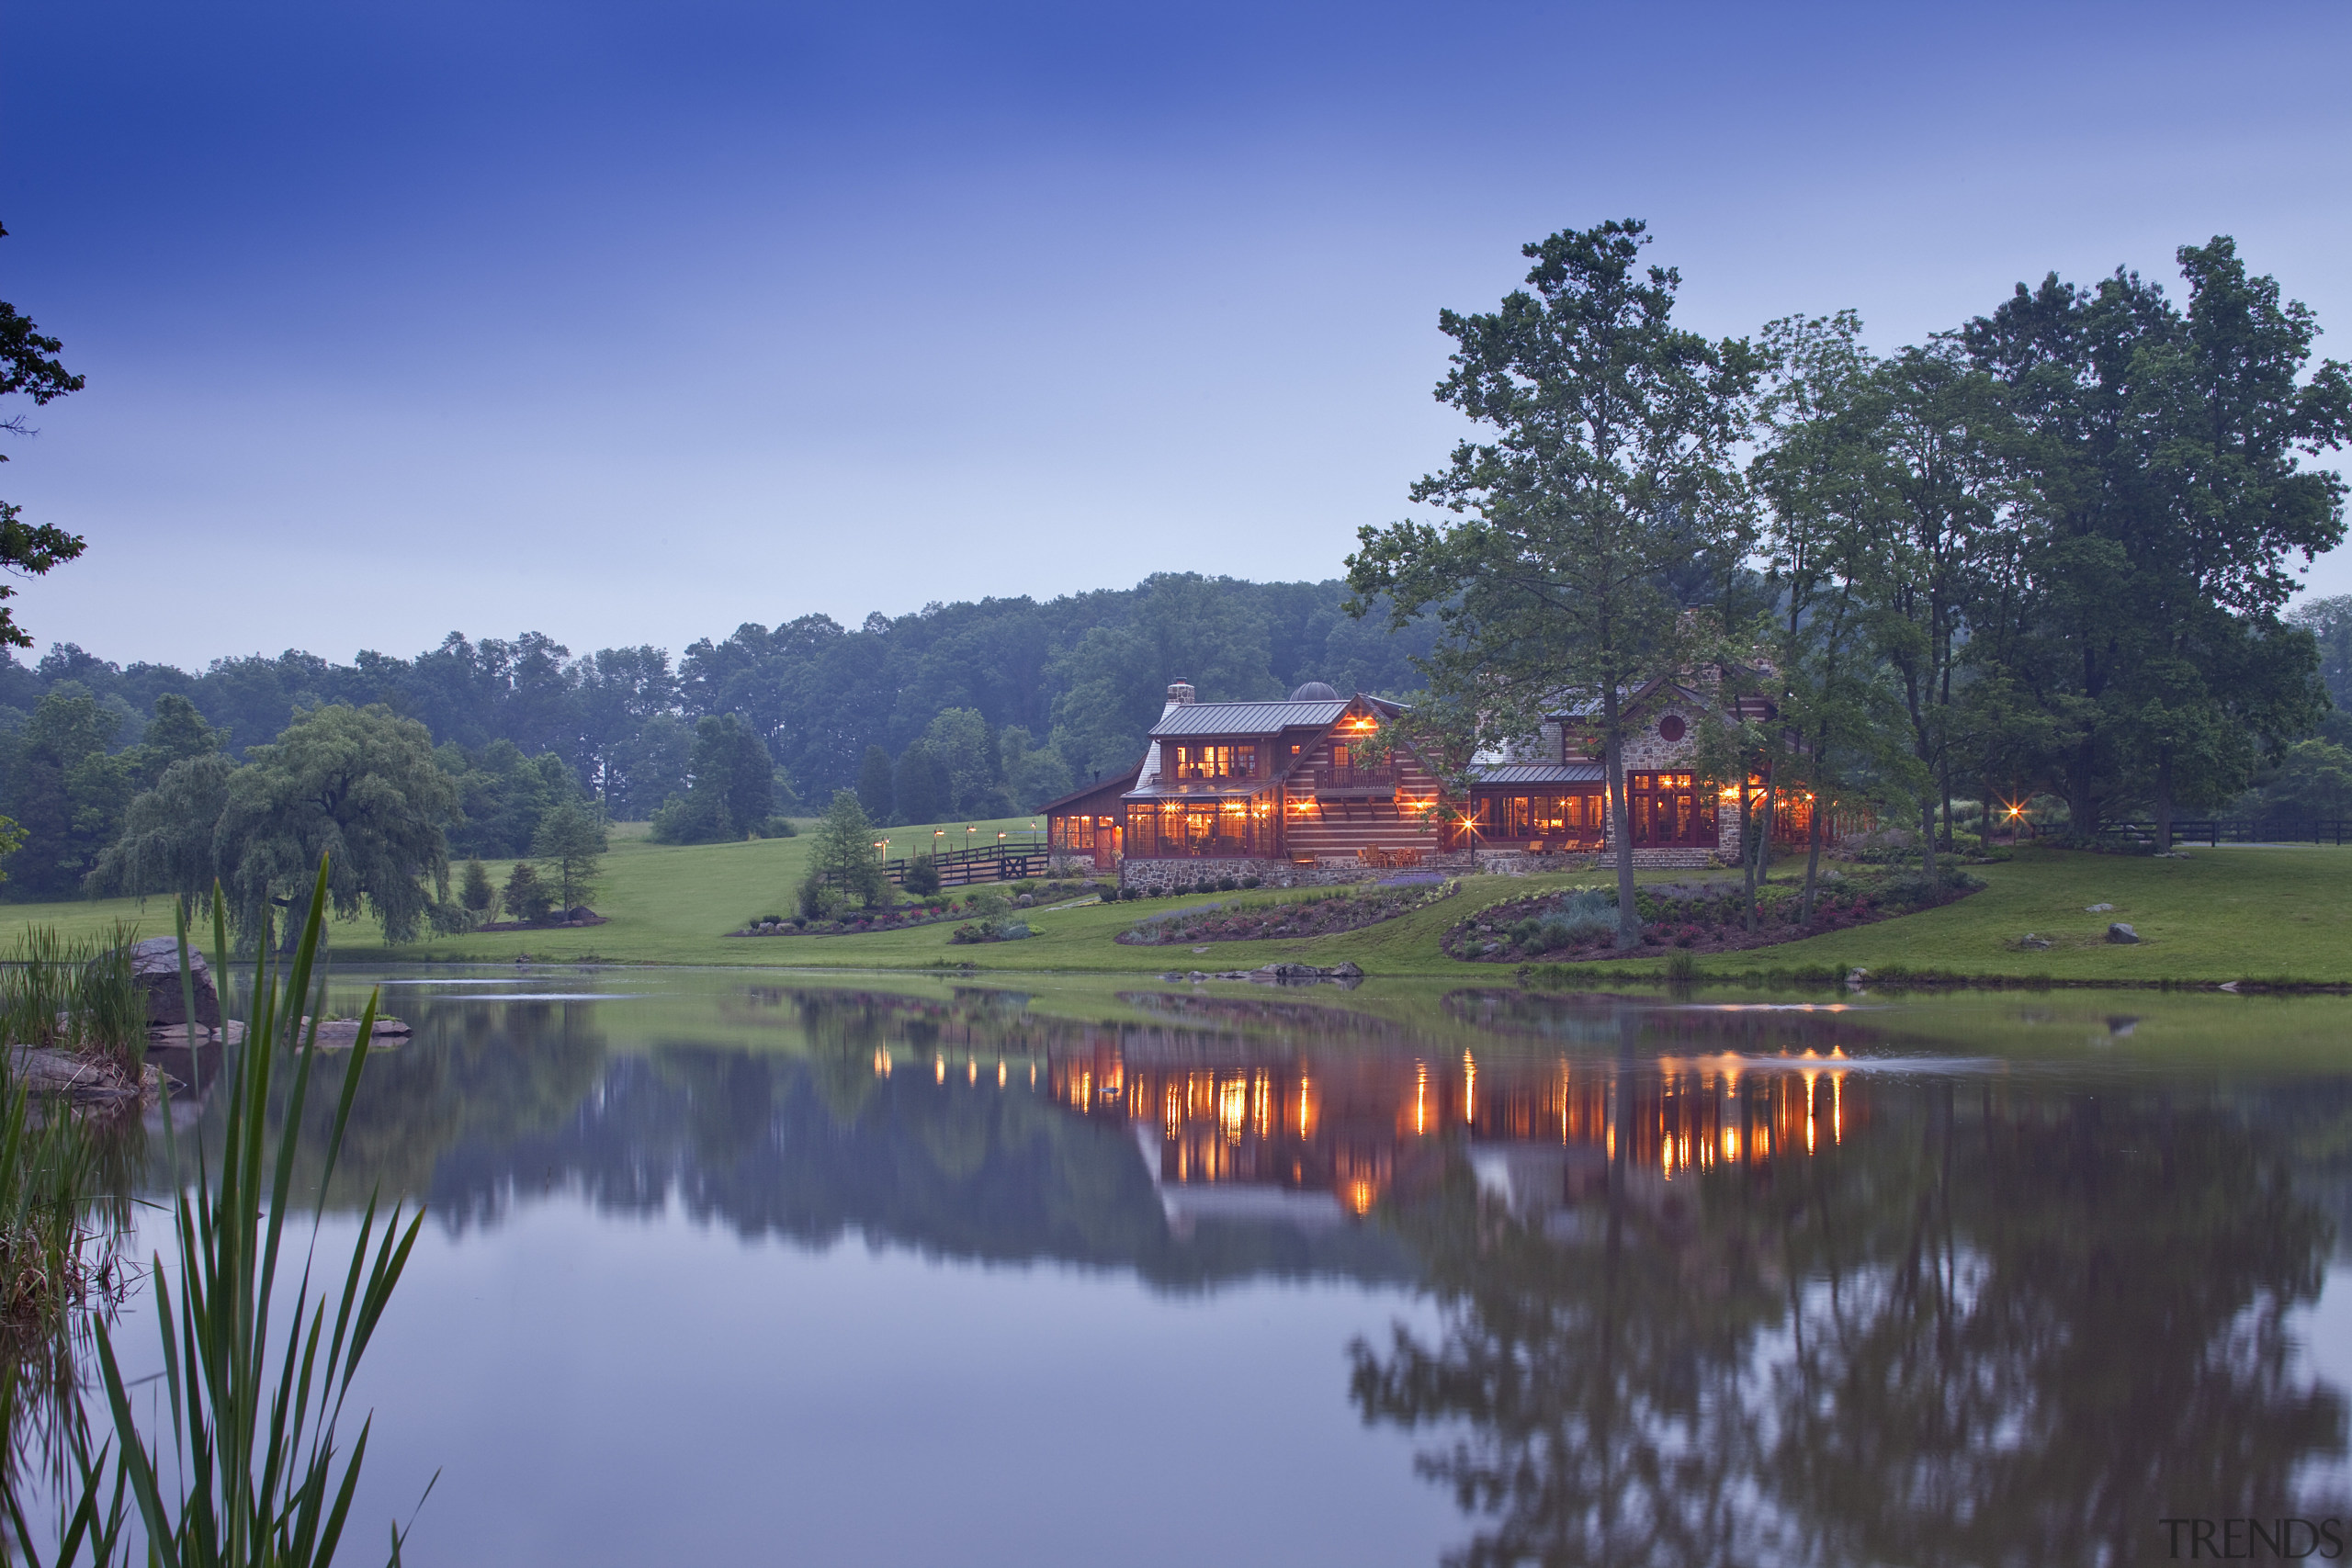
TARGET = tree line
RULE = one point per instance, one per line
(2045, 555)
(970, 710)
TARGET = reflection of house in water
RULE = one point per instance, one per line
(1316, 1139)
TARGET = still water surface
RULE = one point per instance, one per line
(722, 1268)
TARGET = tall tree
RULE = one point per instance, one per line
(67, 791)
(921, 787)
(1819, 471)
(1609, 468)
(29, 368)
(874, 784)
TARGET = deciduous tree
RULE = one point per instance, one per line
(359, 786)
(29, 368)
(1610, 468)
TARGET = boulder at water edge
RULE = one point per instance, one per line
(156, 969)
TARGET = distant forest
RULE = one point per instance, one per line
(1019, 699)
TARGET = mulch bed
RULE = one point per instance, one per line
(1292, 918)
(1703, 918)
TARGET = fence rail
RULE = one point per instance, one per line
(2219, 830)
(962, 868)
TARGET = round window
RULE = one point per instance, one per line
(1670, 727)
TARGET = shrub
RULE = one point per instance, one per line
(1227, 884)
(923, 877)
(1251, 881)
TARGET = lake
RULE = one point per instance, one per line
(721, 1266)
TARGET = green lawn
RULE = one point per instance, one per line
(2219, 914)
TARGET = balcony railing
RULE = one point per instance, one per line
(1383, 777)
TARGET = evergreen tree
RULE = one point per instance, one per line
(571, 841)
(475, 892)
(841, 857)
(526, 897)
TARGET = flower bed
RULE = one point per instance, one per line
(1320, 914)
(1709, 917)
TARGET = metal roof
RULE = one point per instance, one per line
(1538, 774)
(1239, 789)
(1247, 718)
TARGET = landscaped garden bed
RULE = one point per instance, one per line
(1316, 914)
(937, 909)
(1699, 916)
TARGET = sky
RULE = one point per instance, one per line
(631, 324)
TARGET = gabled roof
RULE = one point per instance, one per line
(1114, 785)
(1247, 718)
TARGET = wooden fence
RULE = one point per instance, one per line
(2218, 830)
(961, 868)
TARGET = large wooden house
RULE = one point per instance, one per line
(1279, 785)
(1273, 782)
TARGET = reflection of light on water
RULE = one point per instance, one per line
(1469, 1087)
(939, 1069)
(1360, 1196)
(881, 1063)
(1420, 1097)
(1232, 1108)
(999, 1072)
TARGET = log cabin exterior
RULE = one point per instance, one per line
(1264, 787)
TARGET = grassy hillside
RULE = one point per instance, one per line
(2224, 914)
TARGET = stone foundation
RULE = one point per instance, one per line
(1328, 873)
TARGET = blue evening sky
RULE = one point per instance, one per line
(630, 323)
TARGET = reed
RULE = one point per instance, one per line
(75, 994)
(251, 1471)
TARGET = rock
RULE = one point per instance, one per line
(341, 1033)
(78, 1077)
(2120, 932)
(176, 1035)
(1196, 975)
(2033, 943)
(1173, 974)
(1344, 972)
(156, 968)
(2097, 908)
(1231, 975)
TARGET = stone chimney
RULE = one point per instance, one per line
(1179, 695)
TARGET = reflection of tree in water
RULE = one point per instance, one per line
(474, 1076)
(2017, 1329)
